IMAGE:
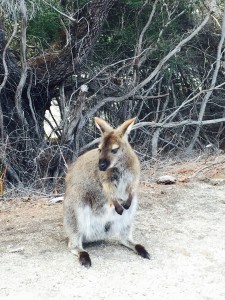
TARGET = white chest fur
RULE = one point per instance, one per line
(108, 223)
(122, 191)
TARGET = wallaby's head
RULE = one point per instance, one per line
(113, 143)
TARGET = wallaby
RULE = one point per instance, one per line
(100, 199)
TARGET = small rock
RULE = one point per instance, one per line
(55, 200)
(166, 179)
(14, 250)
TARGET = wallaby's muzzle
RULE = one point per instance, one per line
(103, 164)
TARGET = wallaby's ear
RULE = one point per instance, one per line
(102, 125)
(125, 128)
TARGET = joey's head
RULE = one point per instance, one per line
(113, 143)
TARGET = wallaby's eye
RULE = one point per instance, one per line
(99, 150)
(114, 151)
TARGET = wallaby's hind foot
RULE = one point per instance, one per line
(138, 248)
(76, 248)
(84, 259)
(142, 251)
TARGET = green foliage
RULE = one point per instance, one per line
(134, 3)
(45, 28)
(119, 33)
(126, 21)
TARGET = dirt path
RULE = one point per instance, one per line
(182, 226)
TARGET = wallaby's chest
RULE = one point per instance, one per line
(121, 181)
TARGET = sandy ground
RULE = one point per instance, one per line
(182, 226)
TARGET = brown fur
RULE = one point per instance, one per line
(101, 186)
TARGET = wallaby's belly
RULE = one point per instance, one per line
(104, 224)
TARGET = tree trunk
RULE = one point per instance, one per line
(27, 88)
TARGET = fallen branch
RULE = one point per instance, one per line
(178, 124)
(207, 168)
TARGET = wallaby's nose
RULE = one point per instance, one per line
(103, 164)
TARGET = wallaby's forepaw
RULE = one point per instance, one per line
(119, 209)
(127, 203)
(84, 259)
(142, 251)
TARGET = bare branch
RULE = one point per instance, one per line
(212, 86)
(178, 124)
(23, 77)
(154, 73)
(60, 12)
